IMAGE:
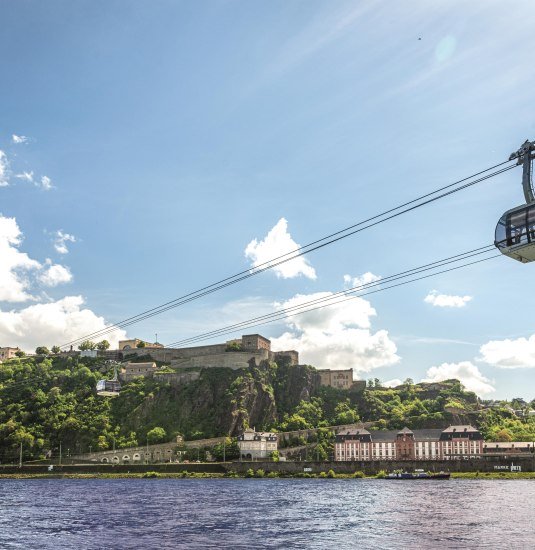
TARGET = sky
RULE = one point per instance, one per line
(151, 148)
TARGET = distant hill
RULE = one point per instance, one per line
(47, 401)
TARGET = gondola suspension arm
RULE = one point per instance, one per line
(525, 156)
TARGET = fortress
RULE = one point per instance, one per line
(234, 354)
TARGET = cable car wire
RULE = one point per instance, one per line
(305, 249)
(277, 315)
(293, 311)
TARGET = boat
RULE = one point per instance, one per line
(417, 474)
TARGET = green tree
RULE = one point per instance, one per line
(56, 350)
(103, 345)
(42, 350)
(141, 344)
(344, 414)
(20, 353)
(156, 435)
(233, 346)
(228, 451)
(87, 345)
(504, 435)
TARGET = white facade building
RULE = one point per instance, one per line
(257, 445)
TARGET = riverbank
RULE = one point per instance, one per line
(254, 474)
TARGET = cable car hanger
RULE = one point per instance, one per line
(515, 232)
(525, 156)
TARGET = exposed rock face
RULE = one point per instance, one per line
(221, 400)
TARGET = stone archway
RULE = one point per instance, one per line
(105, 460)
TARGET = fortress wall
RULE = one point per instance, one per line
(170, 354)
(227, 359)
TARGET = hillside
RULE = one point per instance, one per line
(47, 401)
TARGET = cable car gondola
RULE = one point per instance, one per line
(515, 232)
(109, 388)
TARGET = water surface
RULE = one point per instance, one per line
(266, 513)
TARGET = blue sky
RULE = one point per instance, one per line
(175, 133)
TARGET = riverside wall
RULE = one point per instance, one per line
(495, 464)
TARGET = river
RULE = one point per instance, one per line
(266, 513)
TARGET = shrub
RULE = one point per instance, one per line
(249, 473)
(151, 474)
(260, 473)
(323, 474)
(331, 474)
(381, 474)
(358, 474)
(273, 474)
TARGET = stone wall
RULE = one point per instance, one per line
(501, 464)
(161, 452)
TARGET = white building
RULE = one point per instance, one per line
(257, 445)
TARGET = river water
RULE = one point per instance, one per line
(266, 513)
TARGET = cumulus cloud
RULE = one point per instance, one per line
(46, 183)
(18, 139)
(15, 265)
(61, 239)
(52, 324)
(26, 176)
(338, 336)
(465, 371)
(510, 354)
(276, 243)
(4, 166)
(55, 274)
(446, 300)
(19, 272)
(364, 279)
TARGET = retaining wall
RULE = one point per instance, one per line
(527, 464)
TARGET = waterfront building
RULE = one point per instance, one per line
(432, 444)
(257, 445)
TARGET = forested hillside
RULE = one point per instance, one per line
(45, 402)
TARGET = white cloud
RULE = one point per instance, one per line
(61, 239)
(465, 371)
(46, 183)
(52, 324)
(19, 139)
(446, 300)
(26, 176)
(15, 265)
(510, 354)
(4, 166)
(55, 274)
(365, 279)
(337, 337)
(276, 243)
